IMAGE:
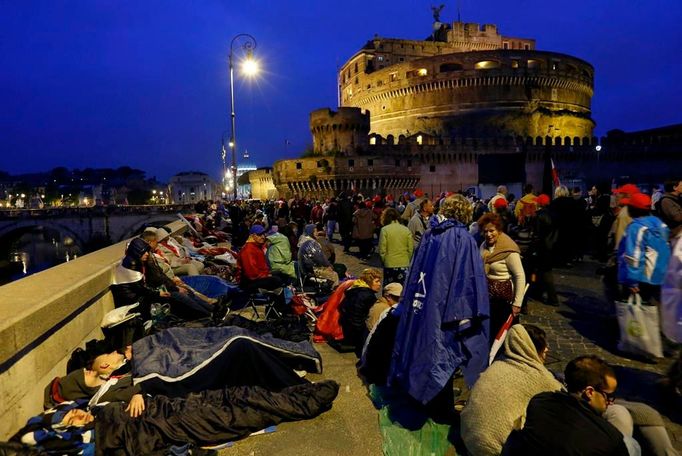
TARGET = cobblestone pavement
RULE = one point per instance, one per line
(584, 323)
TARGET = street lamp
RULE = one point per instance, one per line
(250, 68)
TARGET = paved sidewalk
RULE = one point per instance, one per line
(583, 324)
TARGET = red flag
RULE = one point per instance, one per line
(499, 338)
(555, 174)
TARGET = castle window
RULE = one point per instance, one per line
(409, 163)
(420, 139)
(393, 76)
(380, 58)
(373, 140)
(356, 67)
(432, 168)
(514, 63)
(505, 45)
(351, 162)
(555, 66)
(526, 47)
(533, 64)
(380, 83)
(401, 59)
(356, 79)
(299, 165)
(422, 72)
(487, 65)
(446, 67)
(397, 163)
(370, 162)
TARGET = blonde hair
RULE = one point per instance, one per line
(457, 207)
(369, 274)
(561, 191)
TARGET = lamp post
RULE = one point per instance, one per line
(248, 44)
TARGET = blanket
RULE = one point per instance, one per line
(208, 418)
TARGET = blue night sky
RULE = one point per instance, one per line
(144, 83)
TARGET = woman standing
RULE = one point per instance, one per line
(395, 247)
(503, 268)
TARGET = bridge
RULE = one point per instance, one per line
(83, 224)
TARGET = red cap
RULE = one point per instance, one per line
(628, 189)
(500, 203)
(368, 204)
(449, 194)
(389, 198)
(639, 201)
(542, 200)
(376, 199)
(418, 193)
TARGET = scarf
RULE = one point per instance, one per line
(359, 283)
(503, 248)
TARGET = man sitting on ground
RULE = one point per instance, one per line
(387, 301)
(560, 423)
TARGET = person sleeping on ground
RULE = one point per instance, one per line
(204, 418)
(179, 361)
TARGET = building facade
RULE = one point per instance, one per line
(191, 187)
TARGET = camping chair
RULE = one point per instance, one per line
(267, 298)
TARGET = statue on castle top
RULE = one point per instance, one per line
(436, 12)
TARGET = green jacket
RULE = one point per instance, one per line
(279, 255)
(395, 245)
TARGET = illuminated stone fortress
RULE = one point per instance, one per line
(466, 107)
(467, 80)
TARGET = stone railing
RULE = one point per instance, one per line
(43, 318)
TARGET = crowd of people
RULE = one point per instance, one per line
(457, 273)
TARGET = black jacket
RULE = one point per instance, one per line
(560, 424)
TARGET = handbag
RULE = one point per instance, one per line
(501, 290)
(639, 327)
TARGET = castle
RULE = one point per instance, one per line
(465, 107)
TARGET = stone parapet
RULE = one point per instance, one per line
(43, 318)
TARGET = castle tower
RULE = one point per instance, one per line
(341, 132)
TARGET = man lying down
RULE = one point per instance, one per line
(206, 418)
(191, 385)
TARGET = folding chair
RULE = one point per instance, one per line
(267, 298)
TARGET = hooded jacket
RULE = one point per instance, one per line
(279, 255)
(443, 313)
(643, 252)
(489, 416)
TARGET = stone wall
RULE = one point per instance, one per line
(339, 132)
(478, 94)
(262, 186)
(43, 318)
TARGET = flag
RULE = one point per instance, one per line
(499, 338)
(555, 174)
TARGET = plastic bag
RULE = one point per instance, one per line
(639, 327)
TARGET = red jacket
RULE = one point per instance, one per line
(252, 262)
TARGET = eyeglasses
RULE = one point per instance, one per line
(610, 397)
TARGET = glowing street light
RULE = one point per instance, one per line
(250, 68)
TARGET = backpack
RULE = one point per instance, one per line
(658, 207)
